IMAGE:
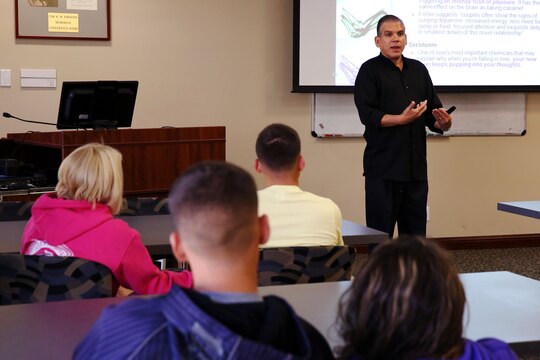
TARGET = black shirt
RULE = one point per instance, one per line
(394, 152)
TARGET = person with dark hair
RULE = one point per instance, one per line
(218, 231)
(396, 100)
(297, 217)
(407, 302)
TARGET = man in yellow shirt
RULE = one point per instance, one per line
(297, 217)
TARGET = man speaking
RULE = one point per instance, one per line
(396, 100)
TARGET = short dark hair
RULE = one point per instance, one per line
(387, 18)
(216, 199)
(406, 302)
(278, 147)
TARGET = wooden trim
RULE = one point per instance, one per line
(489, 242)
(480, 242)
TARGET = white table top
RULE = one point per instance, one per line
(525, 208)
(500, 304)
(155, 229)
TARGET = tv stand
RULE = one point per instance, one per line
(152, 158)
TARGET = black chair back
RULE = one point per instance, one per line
(29, 278)
(305, 264)
(144, 206)
(15, 210)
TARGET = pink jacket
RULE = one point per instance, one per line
(72, 228)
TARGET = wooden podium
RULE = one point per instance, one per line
(152, 158)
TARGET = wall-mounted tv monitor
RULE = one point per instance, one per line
(467, 46)
(96, 104)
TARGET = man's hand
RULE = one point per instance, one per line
(414, 111)
(411, 113)
(443, 120)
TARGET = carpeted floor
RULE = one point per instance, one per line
(523, 261)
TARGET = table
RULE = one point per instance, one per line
(48, 330)
(155, 230)
(357, 234)
(525, 208)
(500, 304)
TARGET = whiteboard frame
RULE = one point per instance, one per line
(477, 114)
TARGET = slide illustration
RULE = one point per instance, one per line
(357, 28)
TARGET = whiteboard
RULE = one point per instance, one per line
(335, 115)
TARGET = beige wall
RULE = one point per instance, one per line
(229, 63)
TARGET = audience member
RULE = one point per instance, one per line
(297, 217)
(78, 221)
(407, 302)
(214, 206)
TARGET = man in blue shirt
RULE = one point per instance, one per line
(218, 231)
(396, 100)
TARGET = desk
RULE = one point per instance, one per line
(155, 230)
(356, 234)
(48, 330)
(152, 158)
(500, 304)
(525, 208)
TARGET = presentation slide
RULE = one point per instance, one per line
(462, 42)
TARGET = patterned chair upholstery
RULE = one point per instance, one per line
(144, 206)
(28, 279)
(305, 264)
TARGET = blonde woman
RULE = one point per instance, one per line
(78, 221)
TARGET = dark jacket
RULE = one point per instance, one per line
(188, 325)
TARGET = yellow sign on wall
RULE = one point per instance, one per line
(63, 22)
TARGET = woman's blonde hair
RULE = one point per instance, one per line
(93, 172)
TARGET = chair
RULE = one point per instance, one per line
(305, 264)
(28, 279)
(134, 206)
(15, 210)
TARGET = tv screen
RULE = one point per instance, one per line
(96, 104)
(467, 45)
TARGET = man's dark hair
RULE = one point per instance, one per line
(216, 199)
(278, 147)
(387, 18)
(406, 302)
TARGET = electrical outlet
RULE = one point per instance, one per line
(427, 213)
(5, 77)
